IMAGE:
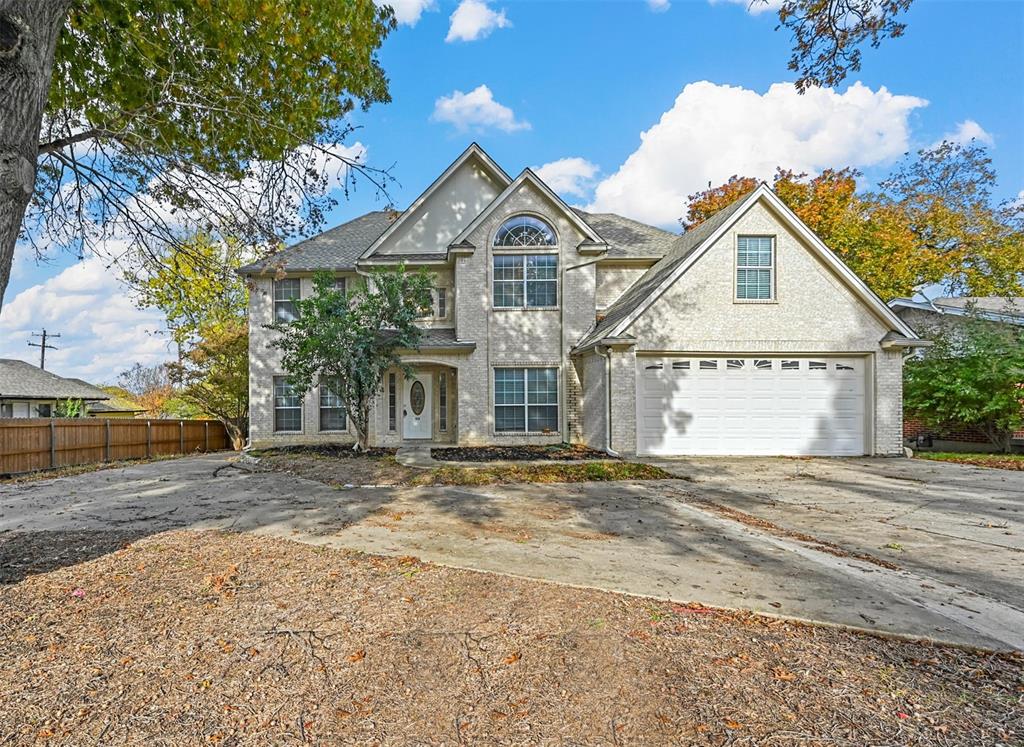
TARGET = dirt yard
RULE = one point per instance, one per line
(215, 638)
(334, 466)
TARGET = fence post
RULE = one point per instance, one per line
(206, 435)
(149, 439)
(106, 442)
(53, 444)
(181, 436)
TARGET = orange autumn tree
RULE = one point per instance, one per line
(932, 222)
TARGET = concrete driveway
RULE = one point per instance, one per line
(899, 546)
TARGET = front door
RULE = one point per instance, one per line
(418, 421)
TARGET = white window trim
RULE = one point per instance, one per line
(276, 301)
(737, 267)
(275, 408)
(524, 306)
(320, 413)
(526, 401)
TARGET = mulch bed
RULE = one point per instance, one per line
(336, 451)
(555, 452)
(227, 639)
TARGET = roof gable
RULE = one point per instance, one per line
(452, 200)
(591, 237)
(693, 244)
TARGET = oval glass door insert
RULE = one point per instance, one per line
(416, 398)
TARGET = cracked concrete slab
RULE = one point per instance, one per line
(655, 538)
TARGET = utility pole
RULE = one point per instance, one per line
(43, 347)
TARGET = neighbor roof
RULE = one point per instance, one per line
(629, 238)
(21, 379)
(994, 308)
(336, 249)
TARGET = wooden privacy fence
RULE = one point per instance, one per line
(30, 444)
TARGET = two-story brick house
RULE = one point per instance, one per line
(745, 335)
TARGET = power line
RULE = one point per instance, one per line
(43, 347)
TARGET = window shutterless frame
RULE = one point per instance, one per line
(755, 269)
(286, 292)
(332, 409)
(524, 281)
(526, 400)
(287, 407)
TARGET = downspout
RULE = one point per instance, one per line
(603, 352)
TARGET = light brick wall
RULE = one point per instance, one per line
(623, 385)
(613, 280)
(514, 337)
(593, 399)
(889, 402)
(265, 364)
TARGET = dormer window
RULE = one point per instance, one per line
(524, 231)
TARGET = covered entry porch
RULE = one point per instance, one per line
(420, 406)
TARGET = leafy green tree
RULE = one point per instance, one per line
(132, 123)
(70, 408)
(351, 339)
(213, 376)
(195, 285)
(973, 376)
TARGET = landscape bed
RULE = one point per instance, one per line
(554, 452)
(217, 638)
(379, 467)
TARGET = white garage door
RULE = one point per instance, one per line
(750, 405)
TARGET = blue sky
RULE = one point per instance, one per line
(572, 87)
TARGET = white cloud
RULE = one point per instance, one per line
(754, 7)
(659, 6)
(713, 132)
(473, 20)
(965, 132)
(408, 12)
(102, 331)
(476, 110)
(568, 176)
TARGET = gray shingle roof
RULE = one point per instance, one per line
(629, 238)
(441, 338)
(336, 249)
(642, 289)
(21, 379)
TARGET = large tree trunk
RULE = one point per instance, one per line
(28, 37)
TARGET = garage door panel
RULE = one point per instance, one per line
(751, 405)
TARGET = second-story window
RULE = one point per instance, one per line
(525, 281)
(755, 268)
(286, 293)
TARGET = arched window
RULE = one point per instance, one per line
(525, 230)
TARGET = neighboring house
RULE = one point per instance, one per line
(745, 335)
(27, 391)
(940, 313)
(120, 405)
(945, 314)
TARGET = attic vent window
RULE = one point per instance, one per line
(525, 230)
